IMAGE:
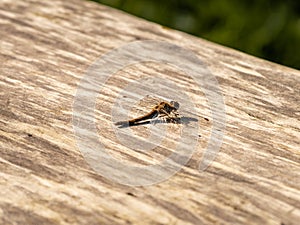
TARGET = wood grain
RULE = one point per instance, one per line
(45, 49)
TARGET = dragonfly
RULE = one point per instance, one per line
(166, 110)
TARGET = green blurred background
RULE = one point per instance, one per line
(269, 29)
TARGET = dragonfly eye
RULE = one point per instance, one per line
(175, 104)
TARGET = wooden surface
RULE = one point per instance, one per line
(45, 49)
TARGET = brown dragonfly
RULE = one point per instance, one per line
(166, 110)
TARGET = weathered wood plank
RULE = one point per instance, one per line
(47, 46)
